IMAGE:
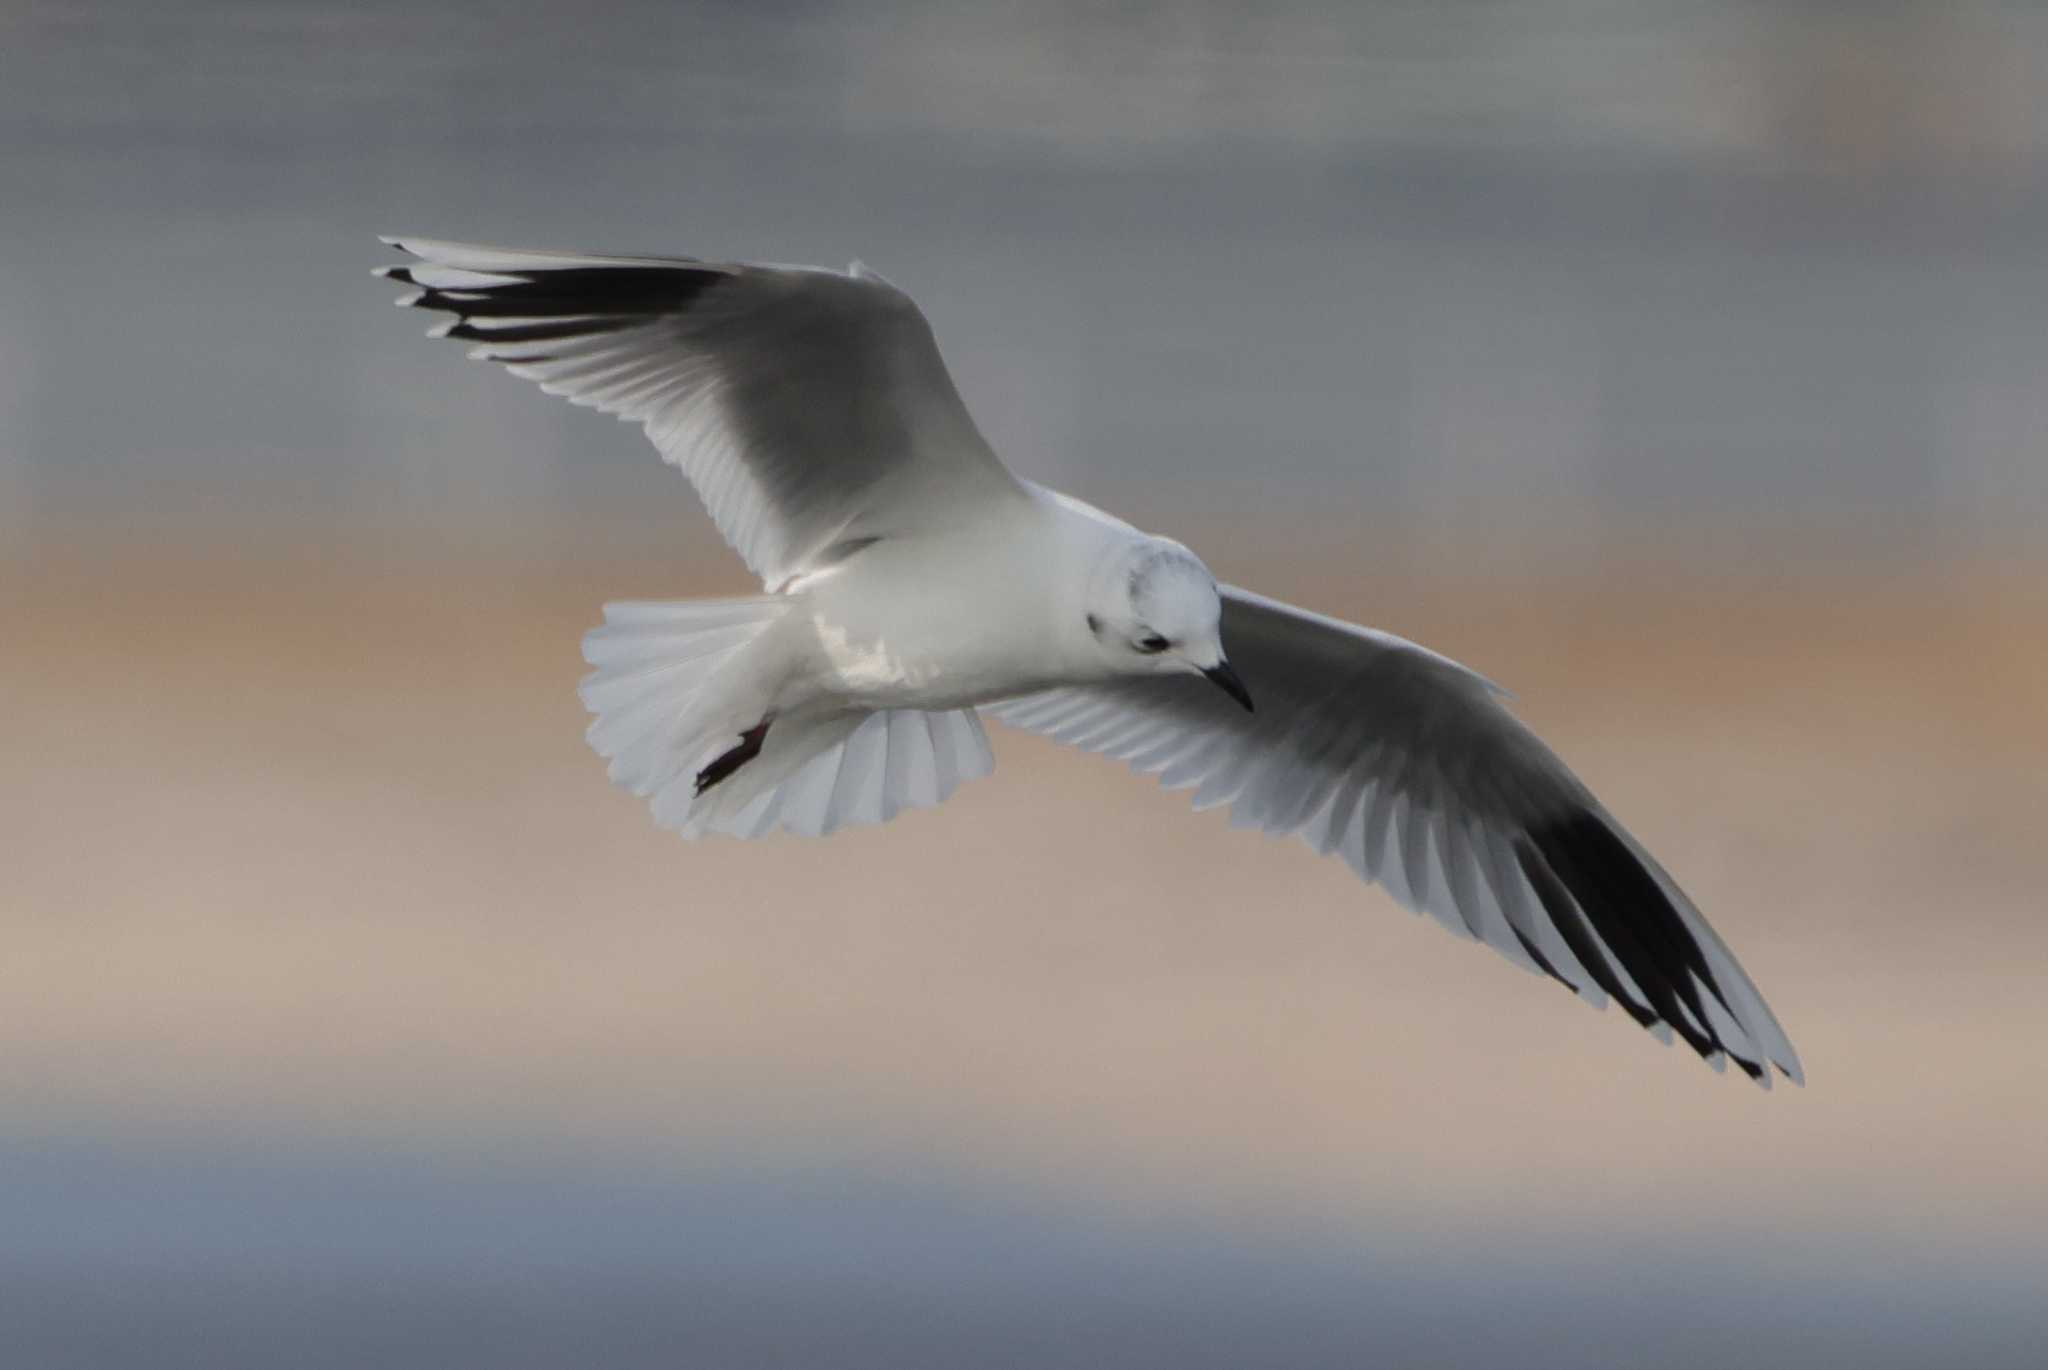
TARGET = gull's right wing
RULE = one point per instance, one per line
(1409, 766)
(810, 409)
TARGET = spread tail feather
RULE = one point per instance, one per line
(654, 690)
(839, 771)
(666, 703)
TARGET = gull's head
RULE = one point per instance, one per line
(1157, 612)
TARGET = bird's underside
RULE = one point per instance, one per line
(815, 417)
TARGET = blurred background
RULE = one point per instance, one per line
(1682, 366)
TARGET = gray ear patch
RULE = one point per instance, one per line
(1142, 572)
(1159, 561)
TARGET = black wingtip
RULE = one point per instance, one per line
(574, 299)
(535, 332)
(1572, 926)
(1598, 892)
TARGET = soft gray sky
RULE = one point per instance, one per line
(1542, 270)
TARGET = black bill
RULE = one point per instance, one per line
(1226, 680)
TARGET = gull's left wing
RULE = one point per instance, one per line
(1408, 765)
(810, 408)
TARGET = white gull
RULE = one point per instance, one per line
(912, 580)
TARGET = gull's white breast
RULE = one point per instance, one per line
(949, 619)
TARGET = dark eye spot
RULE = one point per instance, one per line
(1095, 625)
(1153, 645)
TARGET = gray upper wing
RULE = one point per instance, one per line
(810, 409)
(1409, 766)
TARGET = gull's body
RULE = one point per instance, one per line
(875, 631)
(896, 637)
(911, 581)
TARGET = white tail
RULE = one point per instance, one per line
(652, 691)
(853, 769)
(664, 693)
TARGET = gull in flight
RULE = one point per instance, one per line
(912, 582)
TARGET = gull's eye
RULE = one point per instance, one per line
(1153, 645)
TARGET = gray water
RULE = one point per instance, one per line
(337, 1259)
